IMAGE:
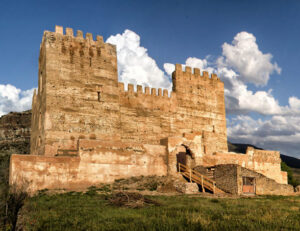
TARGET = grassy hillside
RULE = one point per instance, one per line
(91, 211)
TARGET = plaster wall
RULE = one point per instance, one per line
(97, 162)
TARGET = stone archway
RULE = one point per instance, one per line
(184, 156)
(185, 149)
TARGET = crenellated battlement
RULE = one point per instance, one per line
(191, 81)
(85, 45)
(193, 74)
(96, 60)
(69, 32)
(145, 91)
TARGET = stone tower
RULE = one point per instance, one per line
(79, 97)
(77, 80)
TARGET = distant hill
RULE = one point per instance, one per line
(240, 148)
(290, 161)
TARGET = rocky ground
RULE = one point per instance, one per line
(15, 132)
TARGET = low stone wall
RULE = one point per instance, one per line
(226, 178)
(264, 185)
(97, 162)
(229, 178)
(262, 161)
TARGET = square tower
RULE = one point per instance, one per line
(77, 96)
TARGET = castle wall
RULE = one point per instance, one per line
(201, 107)
(229, 178)
(262, 161)
(81, 107)
(79, 97)
(97, 162)
(264, 185)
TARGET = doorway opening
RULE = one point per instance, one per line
(184, 156)
(248, 185)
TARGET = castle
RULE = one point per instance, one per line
(86, 129)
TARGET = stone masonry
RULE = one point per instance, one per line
(86, 129)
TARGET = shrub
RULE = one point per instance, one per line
(291, 179)
(14, 201)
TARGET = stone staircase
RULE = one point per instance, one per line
(210, 172)
(206, 183)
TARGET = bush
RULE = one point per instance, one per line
(291, 179)
(12, 198)
(10, 207)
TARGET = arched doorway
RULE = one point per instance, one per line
(184, 156)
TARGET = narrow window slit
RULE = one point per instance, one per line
(99, 95)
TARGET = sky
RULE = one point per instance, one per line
(253, 46)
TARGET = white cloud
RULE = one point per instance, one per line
(275, 133)
(14, 99)
(169, 68)
(294, 103)
(193, 62)
(245, 57)
(134, 64)
(239, 99)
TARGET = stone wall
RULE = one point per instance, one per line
(225, 176)
(79, 97)
(229, 178)
(265, 162)
(264, 185)
(96, 162)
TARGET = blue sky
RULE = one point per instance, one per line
(171, 31)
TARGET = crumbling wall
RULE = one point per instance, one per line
(229, 178)
(97, 162)
(265, 162)
(263, 185)
(225, 176)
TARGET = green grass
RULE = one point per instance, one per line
(296, 173)
(78, 211)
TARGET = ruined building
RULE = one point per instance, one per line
(86, 129)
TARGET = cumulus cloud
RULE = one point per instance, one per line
(275, 133)
(169, 68)
(134, 64)
(245, 57)
(239, 99)
(294, 103)
(241, 62)
(14, 99)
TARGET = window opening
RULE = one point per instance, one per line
(99, 95)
